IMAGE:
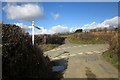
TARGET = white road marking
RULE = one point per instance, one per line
(85, 45)
(52, 50)
(107, 49)
(63, 56)
(72, 54)
(55, 58)
(79, 46)
(96, 51)
(58, 49)
(80, 53)
(89, 52)
(74, 46)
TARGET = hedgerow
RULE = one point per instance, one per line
(20, 59)
(49, 39)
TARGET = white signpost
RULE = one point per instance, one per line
(33, 28)
(33, 32)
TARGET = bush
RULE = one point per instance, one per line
(49, 39)
(55, 40)
(78, 30)
(20, 59)
(113, 42)
(119, 42)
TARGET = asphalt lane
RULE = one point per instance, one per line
(84, 61)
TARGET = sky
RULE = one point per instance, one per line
(60, 0)
(59, 17)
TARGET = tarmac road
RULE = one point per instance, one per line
(84, 61)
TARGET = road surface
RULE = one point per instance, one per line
(84, 60)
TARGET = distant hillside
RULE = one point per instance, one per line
(91, 37)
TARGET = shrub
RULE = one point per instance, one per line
(49, 39)
(113, 42)
(78, 30)
(20, 59)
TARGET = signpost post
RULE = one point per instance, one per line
(33, 32)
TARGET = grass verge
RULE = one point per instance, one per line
(112, 58)
(47, 47)
(86, 42)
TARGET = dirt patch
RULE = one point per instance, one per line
(90, 75)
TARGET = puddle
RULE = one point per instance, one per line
(61, 62)
(59, 66)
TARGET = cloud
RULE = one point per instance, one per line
(110, 22)
(113, 22)
(23, 12)
(19, 24)
(59, 29)
(42, 31)
(91, 25)
(22, 25)
(55, 15)
(52, 30)
(62, 28)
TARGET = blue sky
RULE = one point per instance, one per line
(68, 15)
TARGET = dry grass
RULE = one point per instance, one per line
(47, 47)
(91, 37)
